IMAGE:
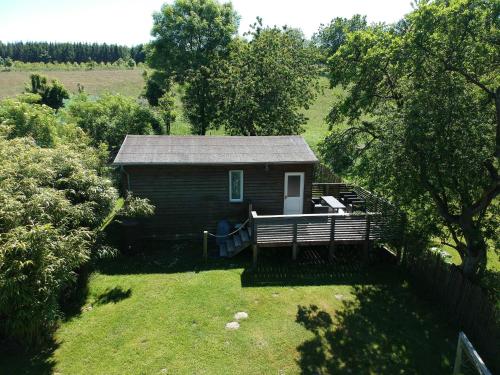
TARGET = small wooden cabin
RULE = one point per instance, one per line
(196, 181)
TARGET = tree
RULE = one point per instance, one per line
(330, 37)
(52, 95)
(189, 35)
(422, 106)
(110, 118)
(267, 82)
(166, 106)
(156, 85)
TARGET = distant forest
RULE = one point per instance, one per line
(70, 52)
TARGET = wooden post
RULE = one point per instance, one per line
(205, 245)
(295, 247)
(367, 238)
(250, 220)
(331, 252)
(255, 249)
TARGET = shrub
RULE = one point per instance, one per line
(37, 121)
(52, 203)
(52, 94)
(111, 117)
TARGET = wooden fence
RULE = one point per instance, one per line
(322, 173)
(465, 302)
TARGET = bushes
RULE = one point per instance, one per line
(111, 117)
(24, 118)
(52, 94)
(52, 202)
(55, 195)
(36, 262)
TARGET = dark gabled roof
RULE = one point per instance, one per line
(197, 150)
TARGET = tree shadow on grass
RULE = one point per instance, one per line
(312, 267)
(113, 295)
(15, 359)
(383, 330)
(162, 256)
(74, 297)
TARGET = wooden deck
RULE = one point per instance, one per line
(370, 219)
(381, 222)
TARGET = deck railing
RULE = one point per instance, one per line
(392, 216)
(318, 229)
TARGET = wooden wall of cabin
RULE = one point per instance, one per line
(190, 199)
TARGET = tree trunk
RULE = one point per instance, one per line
(474, 259)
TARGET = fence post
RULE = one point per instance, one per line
(331, 252)
(295, 247)
(205, 245)
(255, 253)
(367, 238)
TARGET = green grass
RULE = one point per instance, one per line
(493, 257)
(127, 82)
(316, 127)
(160, 312)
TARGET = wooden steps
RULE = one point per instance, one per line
(236, 243)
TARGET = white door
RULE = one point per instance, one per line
(294, 193)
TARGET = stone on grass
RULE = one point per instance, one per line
(232, 325)
(339, 297)
(240, 315)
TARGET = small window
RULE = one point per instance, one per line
(236, 186)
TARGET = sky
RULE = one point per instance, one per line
(129, 22)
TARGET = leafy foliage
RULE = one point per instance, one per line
(23, 118)
(55, 194)
(188, 34)
(52, 200)
(109, 118)
(423, 104)
(157, 84)
(52, 95)
(190, 37)
(166, 107)
(330, 37)
(267, 82)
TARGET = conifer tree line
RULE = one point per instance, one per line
(69, 52)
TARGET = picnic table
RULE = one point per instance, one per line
(333, 202)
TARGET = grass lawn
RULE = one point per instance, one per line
(161, 313)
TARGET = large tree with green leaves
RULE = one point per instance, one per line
(330, 37)
(267, 82)
(189, 35)
(420, 119)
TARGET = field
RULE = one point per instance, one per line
(130, 83)
(124, 81)
(163, 312)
